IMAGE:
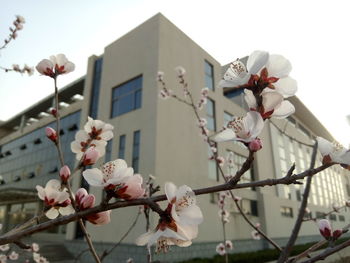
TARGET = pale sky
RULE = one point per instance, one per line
(313, 35)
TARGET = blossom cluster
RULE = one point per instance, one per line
(178, 224)
(18, 25)
(55, 66)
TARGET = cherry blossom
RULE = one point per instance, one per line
(228, 244)
(55, 198)
(96, 133)
(13, 255)
(273, 104)
(333, 152)
(85, 201)
(179, 223)
(244, 129)
(220, 249)
(65, 173)
(255, 235)
(117, 178)
(238, 74)
(55, 66)
(51, 134)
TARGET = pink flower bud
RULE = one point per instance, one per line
(101, 218)
(337, 233)
(325, 228)
(87, 202)
(79, 195)
(65, 173)
(53, 111)
(90, 156)
(51, 134)
(255, 145)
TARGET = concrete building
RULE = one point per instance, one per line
(160, 137)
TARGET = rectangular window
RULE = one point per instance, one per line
(209, 75)
(127, 97)
(121, 151)
(254, 207)
(211, 115)
(109, 151)
(319, 215)
(136, 151)
(286, 211)
(341, 218)
(332, 217)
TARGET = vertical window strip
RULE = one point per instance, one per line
(109, 147)
(121, 150)
(209, 75)
(136, 151)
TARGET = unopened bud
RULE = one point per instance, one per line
(53, 111)
(90, 156)
(87, 202)
(51, 134)
(337, 233)
(325, 228)
(80, 194)
(255, 145)
(65, 173)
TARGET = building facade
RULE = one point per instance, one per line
(161, 137)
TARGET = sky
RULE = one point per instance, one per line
(313, 35)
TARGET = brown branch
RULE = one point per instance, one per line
(286, 251)
(10, 238)
(71, 195)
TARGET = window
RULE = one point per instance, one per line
(341, 218)
(121, 152)
(254, 207)
(332, 217)
(136, 151)
(286, 211)
(319, 215)
(209, 75)
(95, 91)
(211, 115)
(127, 97)
(108, 151)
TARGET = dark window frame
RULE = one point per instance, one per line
(209, 74)
(134, 91)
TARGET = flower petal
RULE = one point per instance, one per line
(66, 210)
(250, 99)
(144, 238)
(286, 86)
(225, 135)
(170, 191)
(52, 213)
(278, 66)
(94, 177)
(284, 110)
(256, 61)
(271, 100)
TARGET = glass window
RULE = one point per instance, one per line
(209, 75)
(211, 115)
(286, 211)
(136, 151)
(127, 97)
(341, 218)
(109, 151)
(121, 151)
(95, 91)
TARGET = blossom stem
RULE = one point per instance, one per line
(60, 154)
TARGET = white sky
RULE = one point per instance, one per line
(313, 35)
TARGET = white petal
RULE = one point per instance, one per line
(170, 191)
(230, 83)
(107, 135)
(188, 231)
(76, 147)
(52, 213)
(191, 215)
(225, 135)
(144, 238)
(69, 67)
(185, 197)
(54, 184)
(41, 192)
(250, 99)
(286, 86)
(66, 210)
(271, 100)
(254, 123)
(278, 66)
(324, 146)
(284, 110)
(61, 197)
(256, 61)
(61, 59)
(94, 177)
